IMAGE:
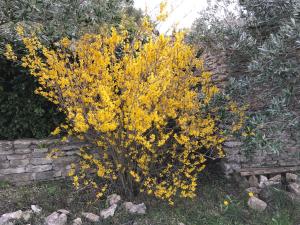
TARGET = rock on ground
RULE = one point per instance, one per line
(56, 219)
(77, 221)
(6, 218)
(26, 215)
(113, 199)
(91, 217)
(290, 177)
(135, 209)
(257, 204)
(36, 209)
(276, 178)
(109, 211)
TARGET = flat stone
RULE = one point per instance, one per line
(91, 217)
(38, 168)
(257, 204)
(135, 209)
(290, 177)
(109, 211)
(253, 181)
(65, 160)
(13, 170)
(294, 188)
(13, 157)
(4, 165)
(47, 175)
(5, 146)
(8, 152)
(19, 163)
(77, 221)
(41, 161)
(56, 219)
(24, 143)
(17, 178)
(113, 199)
(23, 151)
(232, 144)
(276, 178)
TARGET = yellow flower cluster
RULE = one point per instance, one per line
(137, 102)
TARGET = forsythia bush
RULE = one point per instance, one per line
(137, 102)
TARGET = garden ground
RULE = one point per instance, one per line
(206, 209)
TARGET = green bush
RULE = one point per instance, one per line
(261, 39)
(23, 113)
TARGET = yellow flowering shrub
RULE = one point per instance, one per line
(138, 102)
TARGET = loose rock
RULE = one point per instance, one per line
(91, 217)
(135, 209)
(26, 215)
(77, 221)
(263, 180)
(276, 178)
(109, 211)
(6, 219)
(290, 177)
(113, 199)
(56, 219)
(36, 209)
(257, 204)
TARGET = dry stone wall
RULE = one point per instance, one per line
(24, 161)
(236, 157)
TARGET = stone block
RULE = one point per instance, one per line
(48, 175)
(40, 152)
(41, 161)
(13, 157)
(232, 144)
(22, 151)
(18, 178)
(45, 142)
(73, 152)
(65, 160)
(3, 157)
(13, 170)
(19, 163)
(57, 173)
(38, 168)
(6, 152)
(5, 145)
(22, 143)
(4, 165)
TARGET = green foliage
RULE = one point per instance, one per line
(24, 114)
(261, 39)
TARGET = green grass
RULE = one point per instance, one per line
(206, 209)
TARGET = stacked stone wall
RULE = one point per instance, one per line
(24, 161)
(236, 156)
